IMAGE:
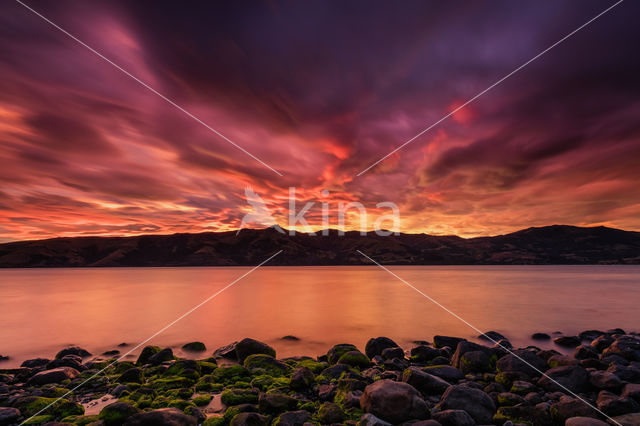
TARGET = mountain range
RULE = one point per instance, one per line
(557, 244)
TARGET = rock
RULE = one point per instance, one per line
(326, 392)
(355, 359)
(162, 356)
(509, 399)
(492, 336)
(585, 352)
(391, 353)
(32, 405)
(584, 421)
(376, 345)
(631, 390)
(540, 336)
(602, 342)
(194, 347)
(116, 413)
(35, 362)
(475, 402)
(524, 414)
(591, 335)
(627, 347)
(335, 371)
(290, 338)
(522, 387)
(613, 405)
(293, 418)
(471, 357)
(119, 389)
(74, 350)
(72, 361)
(394, 402)
(276, 403)
(249, 419)
(561, 360)
(267, 364)
(632, 419)
(132, 375)
(567, 341)
(334, 354)
(573, 377)
(568, 407)
(424, 382)
(246, 347)
(454, 418)
(162, 417)
(371, 420)
(302, 378)
(628, 374)
(9, 415)
(424, 353)
(605, 380)
(330, 413)
(615, 331)
(442, 341)
(522, 361)
(228, 351)
(146, 353)
(56, 375)
(446, 372)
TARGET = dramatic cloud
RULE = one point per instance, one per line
(319, 91)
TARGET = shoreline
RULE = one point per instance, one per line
(447, 381)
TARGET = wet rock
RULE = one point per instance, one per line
(561, 361)
(276, 403)
(591, 335)
(162, 356)
(146, 353)
(424, 353)
(585, 352)
(56, 375)
(334, 354)
(9, 415)
(391, 353)
(376, 345)
(335, 371)
(35, 362)
(115, 414)
(74, 350)
(302, 378)
(540, 336)
(424, 382)
(567, 341)
(615, 331)
(194, 347)
(330, 413)
(249, 419)
(326, 392)
(394, 402)
(454, 418)
(471, 357)
(452, 342)
(370, 420)
(605, 380)
(627, 347)
(267, 364)
(632, 419)
(355, 359)
(509, 399)
(132, 375)
(228, 351)
(613, 405)
(568, 407)
(602, 342)
(527, 414)
(292, 418)
(492, 336)
(573, 377)
(522, 387)
(247, 347)
(290, 338)
(475, 402)
(162, 417)
(446, 372)
(631, 390)
(626, 373)
(522, 361)
(584, 421)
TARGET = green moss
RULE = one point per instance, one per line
(238, 396)
(147, 353)
(31, 405)
(214, 421)
(231, 374)
(202, 400)
(161, 402)
(266, 364)
(265, 382)
(172, 383)
(315, 366)
(38, 420)
(55, 392)
(80, 420)
(181, 404)
(337, 351)
(307, 406)
(355, 359)
(207, 367)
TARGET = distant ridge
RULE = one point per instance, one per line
(557, 244)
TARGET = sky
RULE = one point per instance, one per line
(319, 91)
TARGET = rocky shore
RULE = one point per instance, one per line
(449, 381)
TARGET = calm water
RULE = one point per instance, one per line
(43, 310)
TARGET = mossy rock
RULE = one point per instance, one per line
(172, 383)
(132, 375)
(315, 366)
(214, 421)
(54, 392)
(31, 405)
(161, 402)
(181, 404)
(355, 359)
(202, 400)
(194, 347)
(115, 414)
(123, 366)
(265, 382)
(207, 367)
(330, 413)
(81, 420)
(334, 354)
(141, 392)
(266, 364)
(147, 353)
(208, 384)
(231, 374)
(184, 368)
(239, 396)
(39, 420)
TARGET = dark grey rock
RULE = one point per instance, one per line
(426, 383)
(162, 417)
(474, 401)
(394, 402)
(376, 345)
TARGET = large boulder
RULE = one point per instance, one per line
(454, 418)
(56, 375)
(472, 357)
(424, 382)
(394, 402)
(446, 372)
(572, 377)
(302, 378)
(376, 345)
(293, 418)
(442, 341)
(266, 364)
(116, 413)
(355, 359)
(522, 361)
(627, 347)
(424, 353)
(276, 403)
(334, 354)
(74, 350)
(246, 347)
(162, 417)
(164, 355)
(632, 419)
(478, 404)
(146, 353)
(568, 407)
(9, 416)
(614, 405)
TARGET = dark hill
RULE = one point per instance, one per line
(556, 244)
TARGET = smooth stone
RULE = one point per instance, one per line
(631, 390)
(302, 378)
(632, 419)
(194, 347)
(391, 353)
(228, 351)
(573, 377)
(116, 413)
(585, 352)
(568, 407)
(442, 341)
(540, 336)
(584, 421)
(591, 334)
(394, 402)
(602, 342)
(376, 345)
(161, 417)
(478, 404)
(330, 413)
(293, 418)
(453, 418)
(446, 372)
(605, 380)
(522, 361)
(567, 341)
(74, 350)
(275, 403)
(424, 353)
(162, 356)
(370, 420)
(613, 405)
(249, 419)
(492, 336)
(426, 383)
(56, 375)
(626, 346)
(247, 346)
(35, 362)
